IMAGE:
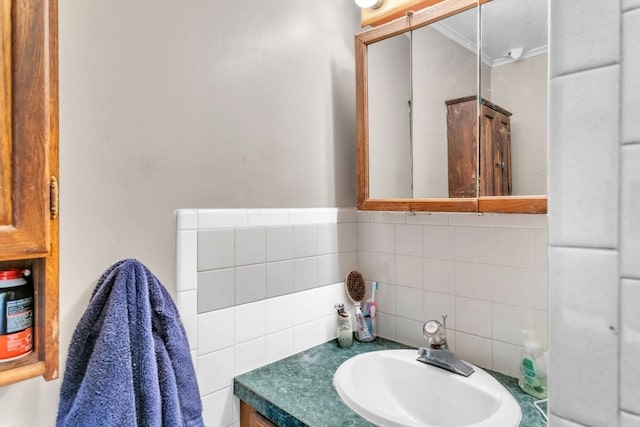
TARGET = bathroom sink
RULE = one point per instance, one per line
(391, 388)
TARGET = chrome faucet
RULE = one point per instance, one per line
(438, 353)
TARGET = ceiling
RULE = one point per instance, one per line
(507, 25)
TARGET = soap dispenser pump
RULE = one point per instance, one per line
(533, 370)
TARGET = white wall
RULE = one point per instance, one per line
(443, 70)
(166, 105)
(594, 176)
(521, 88)
(388, 92)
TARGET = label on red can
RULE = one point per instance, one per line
(16, 316)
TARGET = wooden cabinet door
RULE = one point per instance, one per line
(25, 129)
(249, 417)
(495, 153)
(29, 229)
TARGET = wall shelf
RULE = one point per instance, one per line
(29, 228)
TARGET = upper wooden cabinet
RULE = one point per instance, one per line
(29, 170)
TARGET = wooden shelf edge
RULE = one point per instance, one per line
(22, 372)
(513, 204)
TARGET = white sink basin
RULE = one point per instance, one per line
(391, 388)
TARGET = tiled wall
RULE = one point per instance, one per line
(594, 206)
(254, 286)
(487, 272)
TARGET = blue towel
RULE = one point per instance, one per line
(129, 362)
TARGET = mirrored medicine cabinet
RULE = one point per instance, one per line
(452, 109)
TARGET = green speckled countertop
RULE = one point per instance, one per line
(298, 390)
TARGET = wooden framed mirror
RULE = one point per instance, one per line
(410, 112)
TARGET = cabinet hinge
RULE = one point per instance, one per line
(53, 197)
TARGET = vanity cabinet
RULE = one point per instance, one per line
(494, 162)
(29, 171)
(249, 417)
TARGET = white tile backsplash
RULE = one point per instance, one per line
(409, 239)
(215, 370)
(327, 239)
(215, 289)
(305, 307)
(187, 304)
(383, 237)
(249, 321)
(474, 280)
(382, 268)
(279, 345)
(474, 349)
(218, 408)
(435, 304)
(305, 240)
(249, 355)
(515, 286)
(266, 217)
(409, 303)
(279, 243)
(250, 283)
(249, 246)
(305, 273)
(294, 262)
(386, 298)
(186, 260)
(279, 278)
(410, 271)
(186, 219)
(330, 269)
(486, 220)
(215, 330)
(408, 331)
(473, 316)
(512, 246)
(215, 249)
(278, 313)
(222, 218)
(440, 275)
(506, 358)
(510, 321)
(474, 244)
(439, 241)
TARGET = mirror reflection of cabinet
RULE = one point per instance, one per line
(493, 153)
(495, 150)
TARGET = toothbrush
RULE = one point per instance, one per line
(372, 303)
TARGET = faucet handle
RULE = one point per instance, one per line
(434, 332)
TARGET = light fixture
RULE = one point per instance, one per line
(515, 53)
(369, 4)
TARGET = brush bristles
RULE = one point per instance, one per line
(356, 288)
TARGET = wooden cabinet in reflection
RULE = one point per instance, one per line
(494, 162)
